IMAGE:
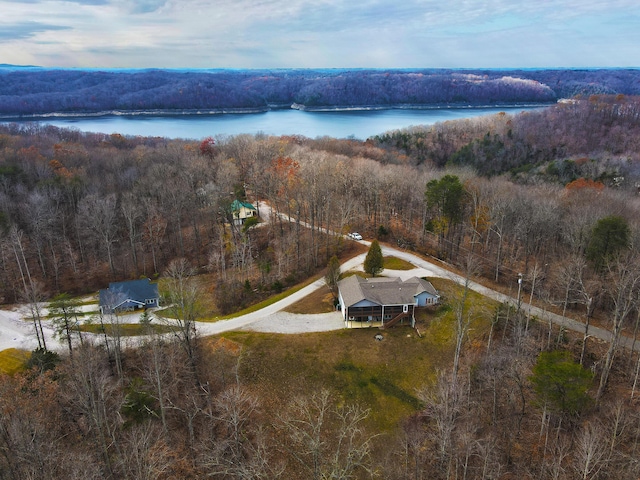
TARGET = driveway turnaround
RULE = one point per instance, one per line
(17, 333)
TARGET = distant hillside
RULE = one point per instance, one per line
(29, 91)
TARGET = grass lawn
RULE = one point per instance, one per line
(252, 308)
(78, 314)
(128, 329)
(13, 360)
(320, 301)
(395, 263)
(95, 302)
(384, 376)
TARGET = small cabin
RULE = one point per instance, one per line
(241, 211)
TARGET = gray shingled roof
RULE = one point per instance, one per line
(137, 290)
(383, 291)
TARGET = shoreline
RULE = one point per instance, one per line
(408, 106)
(255, 110)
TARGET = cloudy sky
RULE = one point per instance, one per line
(320, 33)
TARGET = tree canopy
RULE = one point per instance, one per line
(446, 198)
(609, 237)
(560, 383)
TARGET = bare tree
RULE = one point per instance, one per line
(184, 308)
(97, 218)
(238, 448)
(590, 451)
(153, 231)
(40, 215)
(112, 328)
(416, 451)
(144, 454)
(94, 396)
(623, 288)
(443, 403)
(321, 451)
(555, 463)
(462, 316)
(16, 240)
(132, 212)
(34, 295)
(31, 431)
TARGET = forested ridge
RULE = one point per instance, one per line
(543, 205)
(34, 91)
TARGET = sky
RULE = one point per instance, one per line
(320, 34)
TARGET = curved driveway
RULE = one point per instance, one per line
(533, 311)
(260, 320)
(14, 332)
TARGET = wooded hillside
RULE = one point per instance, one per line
(72, 92)
(79, 209)
(543, 205)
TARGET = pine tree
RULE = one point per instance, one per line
(561, 384)
(333, 275)
(609, 237)
(374, 263)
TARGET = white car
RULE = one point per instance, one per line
(355, 236)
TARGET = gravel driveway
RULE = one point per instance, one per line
(285, 322)
(16, 333)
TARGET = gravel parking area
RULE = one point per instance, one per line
(285, 322)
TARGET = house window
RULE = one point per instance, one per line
(149, 301)
(405, 308)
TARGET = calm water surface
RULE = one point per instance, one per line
(359, 125)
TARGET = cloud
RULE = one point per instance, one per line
(25, 30)
(80, 2)
(321, 33)
(142, 6)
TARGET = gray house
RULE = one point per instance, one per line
(383, 302)
(128, 296)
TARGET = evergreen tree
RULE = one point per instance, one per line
(560, 383)
(609, 236)
(333, 275)
(64, 312)
(446, 200)
(374, 263)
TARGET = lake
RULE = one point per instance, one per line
(345, 124)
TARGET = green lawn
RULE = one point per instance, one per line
(127, 329)
(382, 375)
(13, 360)
(395, 263)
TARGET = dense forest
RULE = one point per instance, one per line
(547, 197)
(34, 91)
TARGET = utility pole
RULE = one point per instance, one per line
(519, 291)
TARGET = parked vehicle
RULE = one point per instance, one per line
(355, 236)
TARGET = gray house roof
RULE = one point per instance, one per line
(122, 294)
(383, 291)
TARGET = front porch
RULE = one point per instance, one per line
(378, 316)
